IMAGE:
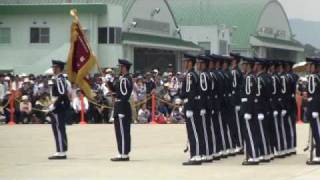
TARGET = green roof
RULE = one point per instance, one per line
(51, 8)
(244, 14)
(159, 40)
(280, 41)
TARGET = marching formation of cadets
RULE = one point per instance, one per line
(251, 110)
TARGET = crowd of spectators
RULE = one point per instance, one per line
(33, 93)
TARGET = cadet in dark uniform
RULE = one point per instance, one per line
(285, 102)
(205, 102)
(61, 102)
(313, 107)
(122, 89)
(277, 144)
(247, 111)
(191, 96)
(292, 113)
(215, 109)
(237, 79)
(261, 108)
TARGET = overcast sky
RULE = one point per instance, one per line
(303, 9)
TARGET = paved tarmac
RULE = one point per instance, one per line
(157, 154)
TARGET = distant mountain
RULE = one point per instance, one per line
(307, 32)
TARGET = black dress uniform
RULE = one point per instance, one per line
(277, 143)
(122, 88)
(247, 111)
(205, 115)
(237, 79)
(261, 110)
(57, 110)
(292, 113)
(217, 132)
(191, 96)
(313, 110)
(287, 128)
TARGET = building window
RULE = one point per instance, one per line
(206, 47)
(39, 35)
(109, 35)
(103, 35)
(5, 35)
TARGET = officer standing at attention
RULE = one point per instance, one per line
(237, 79)
(261, 103)
(247, 110)
(292, 113)
(313, 106)
(205, 101)
(191, 96)
(61, 102)
(122, 89)
(277, 146)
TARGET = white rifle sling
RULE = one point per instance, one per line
(123, 86)
(60, 86)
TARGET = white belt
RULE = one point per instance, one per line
(197, 97)
(185, 100)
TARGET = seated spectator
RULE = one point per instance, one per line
(143, 115)
(177, 115)
(25, 110)
(77, 106)
(41, 104)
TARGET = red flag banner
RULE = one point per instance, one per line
(81, 60)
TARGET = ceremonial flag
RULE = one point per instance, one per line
(81, 60)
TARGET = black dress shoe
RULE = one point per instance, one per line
(265, 160)
(207, 161)
(250, 163)
(216, 158)
(313, 162)
(293, 153)
(192, 163)
(119, 159)
(57, 157)
(241, 152)
(224, 156)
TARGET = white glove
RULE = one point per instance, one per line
(315, 115)
(121, 116)
(51, 108)
(283, 112)
(275, 113)
(189, 114)
(109, 78)
(212, 112)
(247, 116)
(202, 112)
(237, 108)
(260, 117)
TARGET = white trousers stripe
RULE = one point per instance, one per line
(277, 131)
(195, 135)
(59, 132)
(251, 139)
(263, 137)
(284, 133)
(222, 132)
(122, 135)
(205, 133)
(238, 124)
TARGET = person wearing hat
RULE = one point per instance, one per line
(228, 118)
(218, 139)
(262, 108)
(122, 88)
(61, 102)
(276, 142)
(247, 113)
(285, 97)
(237, 79)
(313, 107)
(292, 110)
(205, 101)
(191, 96)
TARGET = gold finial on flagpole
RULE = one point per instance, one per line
(74, 14)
